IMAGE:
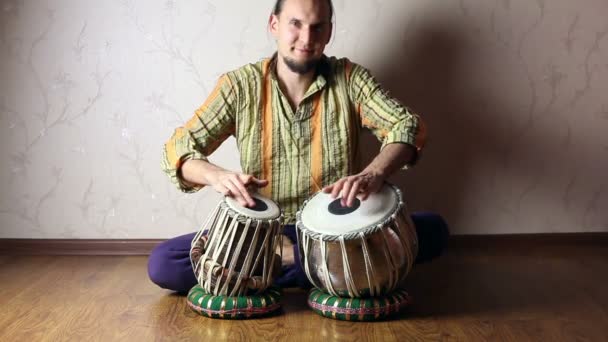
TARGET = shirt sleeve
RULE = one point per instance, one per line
(211, 125)
(390, 121)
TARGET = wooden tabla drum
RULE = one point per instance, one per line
(365, 250)
(234, 253)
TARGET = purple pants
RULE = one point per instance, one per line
(169, 263)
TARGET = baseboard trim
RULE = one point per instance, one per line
(145, 246)
(526, 240)
(77, 246)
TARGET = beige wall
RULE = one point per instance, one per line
(514, 93)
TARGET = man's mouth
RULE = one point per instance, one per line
(306, 52)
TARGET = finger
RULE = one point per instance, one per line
(244, 179)
(244, 192)
(335, 191)
(328, 189)
(260, 182)
(362, 196)
(375, 188)
(345, 191)
(353, 192)
(223, 190)
(251, 182)
(235, 193)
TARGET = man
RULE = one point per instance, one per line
(296, 118)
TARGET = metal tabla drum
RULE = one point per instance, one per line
(234, 253)
(364, 250)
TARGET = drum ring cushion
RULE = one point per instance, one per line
(358, 309)
(240, 307)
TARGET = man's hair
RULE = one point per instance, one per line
(278, 7)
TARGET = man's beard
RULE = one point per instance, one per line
(301, 67)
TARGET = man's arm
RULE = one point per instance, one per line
(370, 180)
(401, 132)
(185, 153)
(196, 172)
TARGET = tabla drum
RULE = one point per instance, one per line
(234, 253)
(364, 250)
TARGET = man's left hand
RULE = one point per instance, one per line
(360, 185)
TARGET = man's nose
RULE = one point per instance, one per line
(306, 35)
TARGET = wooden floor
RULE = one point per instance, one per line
(519, 293)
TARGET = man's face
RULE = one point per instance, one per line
(302, 30)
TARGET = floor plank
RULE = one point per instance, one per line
(545, 294)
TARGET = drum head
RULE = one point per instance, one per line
(265, 209)
(324, 214)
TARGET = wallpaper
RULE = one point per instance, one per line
(513, 93)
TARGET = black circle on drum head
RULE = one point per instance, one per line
(259, 205)
(336, 207)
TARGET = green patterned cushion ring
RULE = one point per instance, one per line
(240, 307)
(358, 309)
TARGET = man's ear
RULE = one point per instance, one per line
(273, 25)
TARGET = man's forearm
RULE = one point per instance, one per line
(228, 183)
(198, 172)
(391, 158)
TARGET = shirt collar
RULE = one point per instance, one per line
(321, 76)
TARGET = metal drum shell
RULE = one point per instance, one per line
(377, 261)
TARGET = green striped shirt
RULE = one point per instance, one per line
(297, 152)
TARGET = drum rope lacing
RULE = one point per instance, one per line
(348, 276)
(220, 235)
(372, 280)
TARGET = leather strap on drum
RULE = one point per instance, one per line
(212, 270)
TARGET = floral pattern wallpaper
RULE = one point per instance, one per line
(513, 93)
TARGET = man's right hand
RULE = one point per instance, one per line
(235, 185)
(227, 183)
